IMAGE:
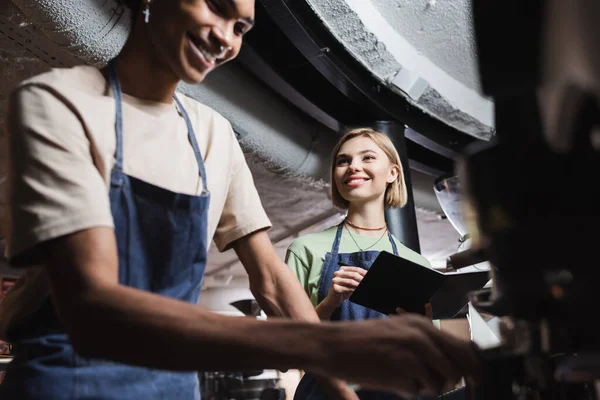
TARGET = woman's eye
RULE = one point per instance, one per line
(342, 161)
(369, 157)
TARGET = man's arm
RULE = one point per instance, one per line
(279, 292)
(272, 283)
(109, 320)
(106, 320)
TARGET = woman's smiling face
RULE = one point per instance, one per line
(362, 170)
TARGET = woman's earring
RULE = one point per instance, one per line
(146, 12)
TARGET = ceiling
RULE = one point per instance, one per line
(305, 74)
(432, 40)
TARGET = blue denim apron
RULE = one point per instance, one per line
(162, 247)
(309, 389)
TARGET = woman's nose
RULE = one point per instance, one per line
(355, 166)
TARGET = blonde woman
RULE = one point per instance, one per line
(366, 178)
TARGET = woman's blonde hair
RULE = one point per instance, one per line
(395, 194)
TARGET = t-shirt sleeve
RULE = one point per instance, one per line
(54, 187)
(298, 267)
(425, 262)
(412, 255)
(243, 212)
(298, 259)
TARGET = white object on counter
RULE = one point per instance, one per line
(484, 334)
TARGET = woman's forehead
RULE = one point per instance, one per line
(358, 144)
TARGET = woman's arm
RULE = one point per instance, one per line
(325, 309)
(302, 271)
(343, 284)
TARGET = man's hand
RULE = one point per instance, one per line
(404, 354)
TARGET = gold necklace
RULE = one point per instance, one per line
(367, 248)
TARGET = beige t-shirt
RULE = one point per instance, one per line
(61, 128)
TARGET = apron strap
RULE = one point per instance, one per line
(116, 89)
(393, 242)
(194, 142)
(338, 236)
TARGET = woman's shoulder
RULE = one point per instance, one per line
(312, 241)
(411, 255)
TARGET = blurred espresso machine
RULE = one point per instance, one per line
(531, 198)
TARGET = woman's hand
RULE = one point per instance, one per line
(428, 311)
(344, 281)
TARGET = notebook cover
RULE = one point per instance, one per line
(393, 282)
(452, 296)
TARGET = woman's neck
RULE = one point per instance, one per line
(367, 215)
(141, 73)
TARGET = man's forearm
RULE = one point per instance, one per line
(285, 297)
(111, 321)
(280, 294)
(135, 327)
(272, 283)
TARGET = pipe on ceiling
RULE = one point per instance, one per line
(91, 30)
(269, 128)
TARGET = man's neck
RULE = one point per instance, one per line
(141, 73)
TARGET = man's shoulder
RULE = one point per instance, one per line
(79, 77)
(58, 87)
(210, 125)
(203, 111)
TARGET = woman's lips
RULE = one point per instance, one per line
(355, 182)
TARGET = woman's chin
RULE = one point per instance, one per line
(358, 199)
(354, 199)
